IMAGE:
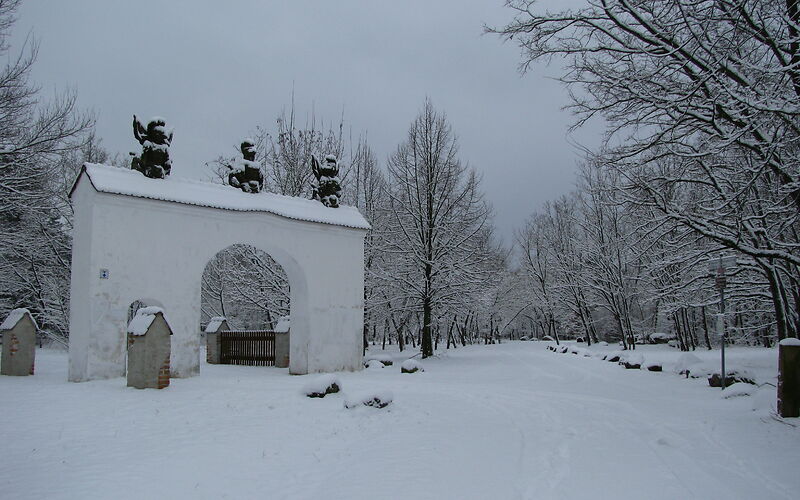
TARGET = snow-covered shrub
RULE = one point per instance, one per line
(685, 362)
(732, 376)
(373, 364)
(660, 338)
(322, 386)
(702, 370)
(375, 399)
(383, 358)
(563, 349)
(653, 366)
(739, 389)
(632, 361)
(580, 351)
(411, 366)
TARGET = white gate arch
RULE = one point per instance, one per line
(136, 237)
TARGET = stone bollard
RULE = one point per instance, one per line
(215, 325)
(282, 343)
(789, 378)
(148, 349)
(19, 343)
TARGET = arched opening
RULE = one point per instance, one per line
(247, 287)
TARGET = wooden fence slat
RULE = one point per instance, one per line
(247, 347)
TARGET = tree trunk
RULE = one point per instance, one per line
(705, 327)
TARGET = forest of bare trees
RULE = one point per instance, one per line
(700, 158)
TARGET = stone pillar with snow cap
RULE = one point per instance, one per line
(148, 349)
(19, 343)
(282, 343)
(215, 326)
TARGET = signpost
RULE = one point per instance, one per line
(721, 266)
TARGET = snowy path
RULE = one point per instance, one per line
(486, 422)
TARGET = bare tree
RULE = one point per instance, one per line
(36, 139)
(437, 216)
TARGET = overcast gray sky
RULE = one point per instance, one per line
(216, 69)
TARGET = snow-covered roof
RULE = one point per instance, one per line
(123, 181)
(14, 317)
(214, 324)
(143, 319)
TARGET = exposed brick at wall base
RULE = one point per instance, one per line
(163, 374)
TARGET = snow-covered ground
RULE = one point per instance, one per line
(483, 422)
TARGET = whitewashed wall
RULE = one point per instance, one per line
(157, 251)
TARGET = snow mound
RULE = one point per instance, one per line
(739, 389)
(374, 364)
(702, 370)
(383, 358)
(685, 362)
(660, 337)
(653, 366)
(580, 351)
(123, 181)
(322, 386)
(732, 376)
(375, 399)
(143, 319)
(603, 343)
(14, 317)
(214, 324)
(790, 341)
(411, 366)
(631, 361)
(765, 400)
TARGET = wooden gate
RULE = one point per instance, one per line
(247, 347)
